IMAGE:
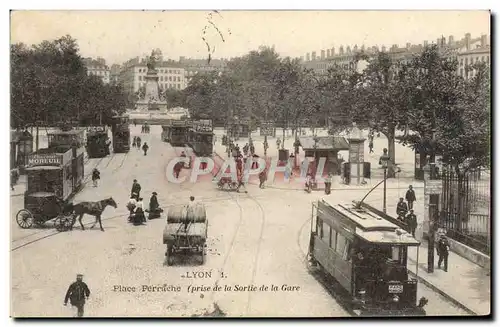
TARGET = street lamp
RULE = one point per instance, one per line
(384, 161)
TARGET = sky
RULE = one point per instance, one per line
(120, 35)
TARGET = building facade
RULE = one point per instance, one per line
(196, 66)
(97, 67)
(466, 51)
(171, 75)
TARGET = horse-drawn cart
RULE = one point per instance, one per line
(40, 207)
(186, 231)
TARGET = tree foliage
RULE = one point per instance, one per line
(49, 86)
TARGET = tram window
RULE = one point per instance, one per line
(325, 233)
(396, 253)
(319, 224)
(341, 244)
(333, 239)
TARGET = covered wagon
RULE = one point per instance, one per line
(186, 231)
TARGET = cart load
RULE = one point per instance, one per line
(180, 214)
(186, 231)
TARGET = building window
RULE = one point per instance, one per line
(461, 62)
(170, 78)
(161, 78)
(178, 78)
(179, 86)
(325, 235)
(462, 72)
(466, 61)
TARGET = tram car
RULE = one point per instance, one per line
(200, 138)
(120, 130)
(367, 256)
(175, 132)
(97, 141)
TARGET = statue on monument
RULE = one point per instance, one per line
(155, 57)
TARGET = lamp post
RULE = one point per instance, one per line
(384, 160)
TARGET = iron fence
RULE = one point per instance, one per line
(465, 208)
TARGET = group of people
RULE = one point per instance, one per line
(145, 128)
(405, 211)
(136, 142)
(135, 206)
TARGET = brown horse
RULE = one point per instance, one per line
(92, 208)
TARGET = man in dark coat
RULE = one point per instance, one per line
(410, 197)
(262, 178)
(136, 189)
(411, 221)
(138, 142)
(96, 175)
(77, 293)
(443, 249)
(402, 208)
(145, 148)
(154, 207)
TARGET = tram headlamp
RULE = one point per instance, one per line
(395, 298)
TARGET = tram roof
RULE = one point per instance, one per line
(364, 219)
(71, 132)
(397, 237)
(43, 168)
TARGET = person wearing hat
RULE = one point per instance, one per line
(96, 175)
(154, 206)
(140, 218)
(145, 148)
(136, 189)
(402, 208)
(328, 183)
(77, 293)
(411, 221)
(443, 250)
(410, 197)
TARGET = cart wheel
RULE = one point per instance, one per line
(170, 257)
(202, 255)
(65, 223)
(25, 218)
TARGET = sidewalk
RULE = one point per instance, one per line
(465, 282)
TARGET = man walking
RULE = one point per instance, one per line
(411, 221)
(145, 148)
(410, 197)
(328, 183)
(262, 178)
(136, 189)
(443, 249)
(77, 293)
(96, 176)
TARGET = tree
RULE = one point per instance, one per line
(381, 100)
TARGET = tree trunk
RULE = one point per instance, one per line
(391, 146)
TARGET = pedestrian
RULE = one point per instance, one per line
(328, 183)
(14, 177)
(410, 197)
(142, 129)
(252, 149)
(138, 142)
(154, 207)
(189, 212)
(135, 122)
(140, 218)
(136, 189)
(245, 149)
(411, 221)
(177, 169)
(370, 145)
(278, 142)
(96, 176)
(134, 142)
(402, 208)
(77, 293)
(145, 148)
(240, 184)
(262, 178)
(443, 250)
(131, 204)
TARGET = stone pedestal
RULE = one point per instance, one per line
(432, 188)
(151, 99)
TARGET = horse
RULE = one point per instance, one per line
(92, 208)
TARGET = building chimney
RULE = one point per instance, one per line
(426, 43)
(450, 40)
(322, 54)
(467, 41)
(333, 52)
(328, 53)
(484, 40)
(308, 57)
(341, 50)
(314, 55)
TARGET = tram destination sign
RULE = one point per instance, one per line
(204, 125)
(44, 160)
(96, 129)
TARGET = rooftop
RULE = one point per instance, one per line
(324, 143)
